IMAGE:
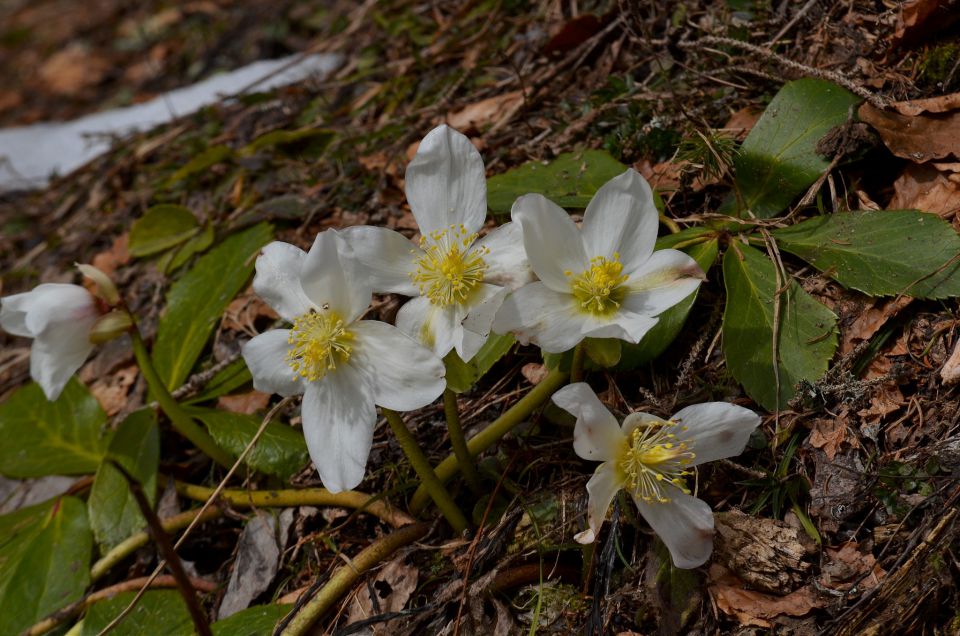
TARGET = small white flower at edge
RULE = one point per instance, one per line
(343, 366)
(603, 280)
(458, 279)
(650, 458)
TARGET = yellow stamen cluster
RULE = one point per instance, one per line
(451, 267)
(652, 456)
(599, 289)
(320, 341)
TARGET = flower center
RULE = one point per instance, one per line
(652, 457)
(599, 290)
(450, 269)
(320, 341)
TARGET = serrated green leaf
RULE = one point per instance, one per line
(880, 253)
(807, 330)
(114, 513)
(234, 375)
(209, 157)
(778, 159)
(463, 375)
(158, 613)
(259, 620)
(178, 256)
(197, 301)
(671, 321)
(65, 437)
(281, 450)
(163, 226)
(570, 180)
(46, 566)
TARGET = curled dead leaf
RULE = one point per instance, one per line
(847, 567)
(756, 608)
(920, 138)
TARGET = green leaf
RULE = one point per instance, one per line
(158, 613)
(778, 159)
(280, 451)
(259, 620)
(880, 253)
(570, 180)
(197, 301)
(234, 375)
(209, 157)
(163, 226)
(463, 375)
(308, 141)
(41, 438)
(604, 352)
(114, 513)
(178, 256)
(672, 320)
(46, 566)
(807, 330)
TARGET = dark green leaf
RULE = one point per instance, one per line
(114, 513)
(161, 227)
(280, 451)
(40, 438)
(234, 375)
(778, 159)
(158, 613)
(881, 253)
(308, 141)
(807, 330)
(570, 180)
(197, 301)
(209, 157)
(253, 621)
(178, 256)
(604, 352)
(463, 375)
(46, 566)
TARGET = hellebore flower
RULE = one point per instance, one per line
(649, 458)
(603, 280)
(59, 318)
(458, 279)
(342, 365)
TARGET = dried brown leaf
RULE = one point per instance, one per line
(919, 138)
(756, 608)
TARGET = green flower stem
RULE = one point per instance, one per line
(446, 504)
(181, 421)
(489, 436)
(459, 442)
(343, 580)
(576, 366)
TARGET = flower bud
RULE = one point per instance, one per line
(105, 287)
(109, 326)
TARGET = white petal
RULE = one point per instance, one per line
(596, 435)
(406, 375)
(437, 328)
(601, 490)
(446, 183)
(685, 525)
(482, 307)
(621, 218)
(507, 263)
(338, 421)
(13, 315)
(265, 355)
(277, 280)
(552, 241)
(639, 418)
(623, 325)
(717, 429)
(330, 276)
(664, 280)
(535, 313)
(388, 256)
(57, 354)
(469, 343)
(58, 306)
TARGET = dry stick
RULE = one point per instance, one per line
(346, 575)
(136, 599)
(162, 539)
(796, 18)
(63, 615)
(874, 99)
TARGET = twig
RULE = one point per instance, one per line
(796, 18)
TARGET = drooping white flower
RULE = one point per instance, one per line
(458, 279)
(650, 458)
(59, 318)
(342, 365)
(602, 280)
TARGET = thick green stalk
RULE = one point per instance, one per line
(181, 421)
(448, 507)
(459, 442)
(492, 434)
(576, 366)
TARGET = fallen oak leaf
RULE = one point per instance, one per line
(919, 138)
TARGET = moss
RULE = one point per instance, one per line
(938, 62)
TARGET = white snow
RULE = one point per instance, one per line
(29, 155)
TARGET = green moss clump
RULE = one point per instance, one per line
(938, 62)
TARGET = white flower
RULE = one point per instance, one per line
(343, 366)
(459, 280)
(649, 458)
(58, 317)
(603, 280)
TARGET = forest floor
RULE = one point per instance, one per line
(869, 456)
